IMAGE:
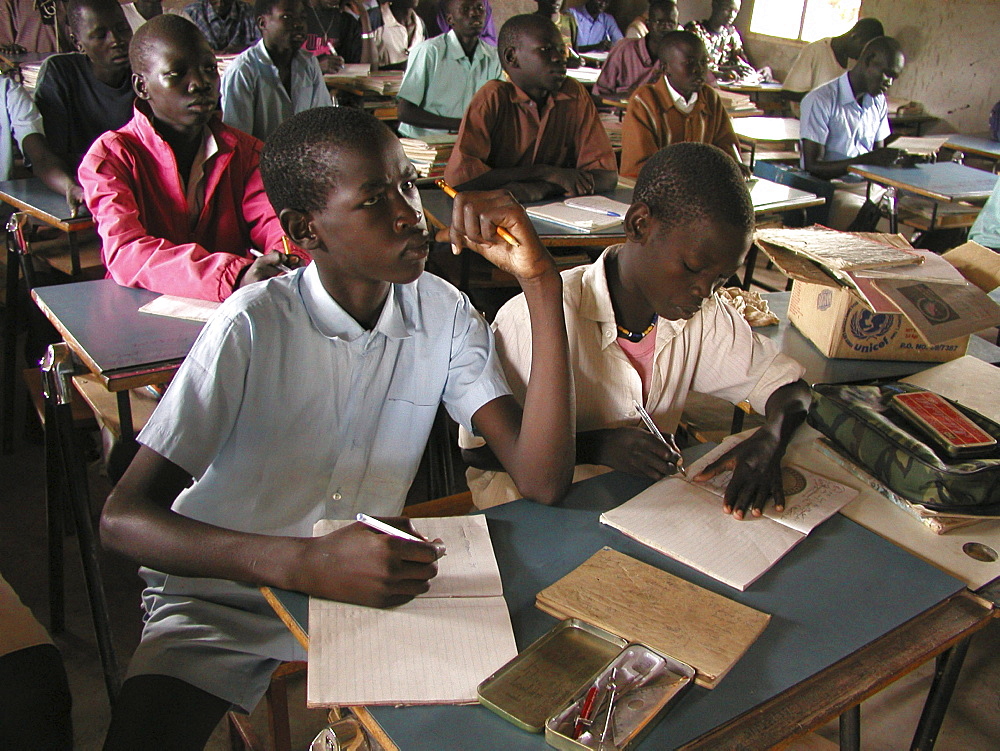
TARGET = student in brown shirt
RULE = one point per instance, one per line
(677, 107)
(538, 135)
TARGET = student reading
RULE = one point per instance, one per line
(312, 396)
(644, 324)
(679, 106)
(538, 135)
(175, 193)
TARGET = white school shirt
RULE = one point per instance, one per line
(19, 118)
(253, 98)
(715, 352)
(392, 38)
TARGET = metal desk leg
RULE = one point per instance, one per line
(850, 729)
(893, 199)
(948, 666)
(9, 375)
(57, 372)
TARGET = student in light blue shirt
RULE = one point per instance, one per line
(274, 79)
(445, 72)
(846, 121)
(986, 229)
(596, 29)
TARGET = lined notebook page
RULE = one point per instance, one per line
(433, 650)
(684, 520)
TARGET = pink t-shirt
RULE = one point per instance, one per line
(640, 354)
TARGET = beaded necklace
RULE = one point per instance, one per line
(636, 336)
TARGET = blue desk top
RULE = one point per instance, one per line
(943, 181)
(974, 145)
(102, 319)
(840, 589)
(32, 195)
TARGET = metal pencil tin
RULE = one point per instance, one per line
(544, 687)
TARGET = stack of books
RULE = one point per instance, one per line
(429, 154)
(29, 74)
(737, 104)
(613, 126)
(386, 83)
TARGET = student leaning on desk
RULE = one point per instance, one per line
(312, 396)
(175, 193)
(537, 135)
(645, 326)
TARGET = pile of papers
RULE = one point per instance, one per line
(29, 75)
(735, 102)
(429, 154)
(887, 276)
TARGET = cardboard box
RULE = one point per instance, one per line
(840, 325)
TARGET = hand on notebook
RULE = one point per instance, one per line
(359, 565)
(631, 449)
(475, 222)
(756, 465)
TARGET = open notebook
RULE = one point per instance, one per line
(684, 520)
(583, 213)
(435, 649)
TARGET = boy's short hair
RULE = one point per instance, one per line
(75, 8)
(166, 26)
(516, 27)
(688, 182)
(296, 163)
(676, 38)
(263, 7)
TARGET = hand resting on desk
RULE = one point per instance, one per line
(756, 462)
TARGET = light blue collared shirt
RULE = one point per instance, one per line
(253, 98)
(832, 116)
(288, 411)
(986, 229)
(590, 31)
(19, 118)
(441, 79)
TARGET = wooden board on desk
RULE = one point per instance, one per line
(644, 604)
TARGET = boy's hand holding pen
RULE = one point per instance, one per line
(666, 440)
(497, 227)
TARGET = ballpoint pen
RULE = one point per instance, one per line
(451, 193)
(380, 526)
(280, 267)
(669, 443)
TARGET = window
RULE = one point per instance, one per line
(803, 20)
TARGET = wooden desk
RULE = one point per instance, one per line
(821, 369)
(942, 182)
(753, 131)
(977, 145)
(32, 197)
(842, 627)
(138, 350)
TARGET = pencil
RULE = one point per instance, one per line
(451, 193)
(388, 529)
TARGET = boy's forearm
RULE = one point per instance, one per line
(46, 165)
(786, 410)
(604, 180)
(501, 178)
(418, 117)
(547, 462)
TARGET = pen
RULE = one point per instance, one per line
(584, 720)
(281, 267)
(670, 444)
(381, 526)
(451, 193)
(595, 210)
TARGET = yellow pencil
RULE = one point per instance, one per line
(451, 193)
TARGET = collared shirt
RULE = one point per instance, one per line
(986, 229)
(724, 47)
(349, 441)
(831, 116)
(715, 352)
(254, 99)
(393, 40)
(235, 32)
(489, 34)
(21, 23)
(684, 105)
(18, 119)
(195, 189)
(652, 121)
(441, 79)
(591, 31)
(76, 107)
(629, 65)
(815, 65)
(135, 193)
(503, 127)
